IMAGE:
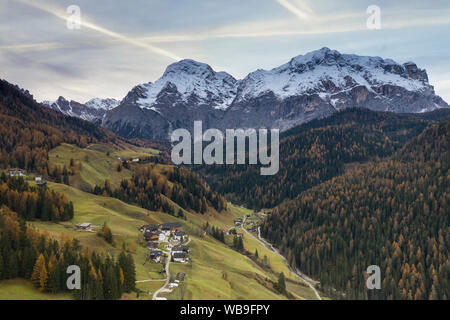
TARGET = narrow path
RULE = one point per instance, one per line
(166, 283)
(149, 280)
(270, 247)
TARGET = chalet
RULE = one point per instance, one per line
(155, 255)
(151, 236)
(171, 226)
(238, 222)
(179, 235)
(253, 229)
(17, 173)
(149, 227)
(152, 227)
(181, 276)
(84, 225)
(180, 249)
(225, 230)
(179, 257)
(239, 234)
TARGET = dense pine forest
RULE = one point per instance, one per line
(393, 213)
(150, 189)
(318, 151)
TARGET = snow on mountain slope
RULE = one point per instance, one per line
(93, 110)
(328, 72)
(103, 104)
(322, 72)
(192, 79)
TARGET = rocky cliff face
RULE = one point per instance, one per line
(307, 87)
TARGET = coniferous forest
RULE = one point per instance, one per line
(150, 190)
(318, 151)
(393, 213)
(28, 254)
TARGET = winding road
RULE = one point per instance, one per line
(166, 283)
(310, 282)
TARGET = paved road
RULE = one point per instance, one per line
(166, 283)
(270, 247)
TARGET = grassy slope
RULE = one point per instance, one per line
(276, 262)
(19, 289)
(216, 271)
(97, 165)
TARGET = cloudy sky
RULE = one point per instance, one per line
(124, 43)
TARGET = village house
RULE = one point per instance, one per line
(180, 249)
(38, 178)
(84, 225)
(149, 227)
(179, 235)
(181, 276)
(155, 255)
(171, 226)
(17, 172)
(135, 160)
(225, 230)
(179, 257)
(151, 236)
(238, 222)
(239, 234)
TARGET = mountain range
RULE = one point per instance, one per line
(93, 110)
(309, 86)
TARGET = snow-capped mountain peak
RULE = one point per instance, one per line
(194, 81)
(327, 72)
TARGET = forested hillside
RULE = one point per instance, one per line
(148, 186)
(29, 130)
(316, 152)
(29, 254)
(393, 213)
